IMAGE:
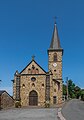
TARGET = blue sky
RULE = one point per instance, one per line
(26, 28)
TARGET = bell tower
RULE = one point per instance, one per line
(55, 53)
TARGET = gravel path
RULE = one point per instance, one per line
(28, 114)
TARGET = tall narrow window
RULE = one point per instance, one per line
(55, 57)
(54, 99)
(58, 86)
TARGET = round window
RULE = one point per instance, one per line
(33, 79)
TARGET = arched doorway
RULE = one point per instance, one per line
(33, 98)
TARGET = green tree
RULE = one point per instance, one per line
(64, 90)
(71, 87)
(73, 90)
(82, 94)
(77, 91)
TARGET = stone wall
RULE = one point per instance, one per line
(39, 85)
(6, 100)
(27, 85)
(56, 77)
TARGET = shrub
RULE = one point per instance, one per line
(17, 104)
(82, 95)
(47, 104)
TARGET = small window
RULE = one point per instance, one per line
(37, 71)
(29, 71)
(33, 79)
(54, 90)
(58, 86)
(55, 57)
(23, 85)
(33, 84)
(42, 85)
(54, 99)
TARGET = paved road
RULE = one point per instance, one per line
(74, 110)
(29, 114)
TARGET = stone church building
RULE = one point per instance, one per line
(33, 86)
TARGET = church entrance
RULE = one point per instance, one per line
(33, 98)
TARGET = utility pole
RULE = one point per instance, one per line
(67, 88)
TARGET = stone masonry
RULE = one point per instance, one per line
(6, 101)
(33, 86)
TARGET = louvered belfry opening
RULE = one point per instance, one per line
(33, 98)
(48, 88)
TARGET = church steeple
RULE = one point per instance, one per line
(55, 42)
(55, 53)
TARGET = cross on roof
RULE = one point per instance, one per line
(55, 19)
(33, 56)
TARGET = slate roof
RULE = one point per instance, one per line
(55, 42)
(1, 92)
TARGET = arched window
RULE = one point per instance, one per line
(42, 85)
(23, 85)
(54, 99)
(55, 57)
(37, 71)
(29, 71)
(33, 79)
(58, 84)
(33, 84)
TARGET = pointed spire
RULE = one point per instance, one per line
(55, 42)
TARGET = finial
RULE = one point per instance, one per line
(16, 73)
(33, 57)
(55, 20)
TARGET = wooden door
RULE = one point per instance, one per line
(33, 98)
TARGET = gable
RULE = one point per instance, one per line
(2, 92)
(33, 68)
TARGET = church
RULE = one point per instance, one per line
(33, 86)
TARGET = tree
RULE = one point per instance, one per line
(65, 91)
(73, 90)
(82, 94)
(77, 91)
(71, 87)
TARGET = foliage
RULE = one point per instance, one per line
(17, 104)
(71, 87)
(77, 92)
(47, 104)
(64, 89)
(73, 90)
(82, 94)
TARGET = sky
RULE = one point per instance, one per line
(26, 28)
